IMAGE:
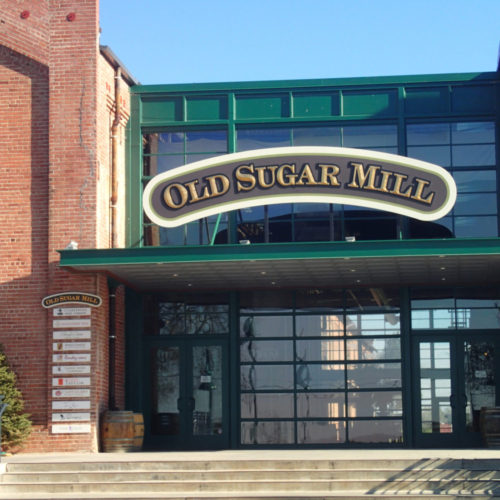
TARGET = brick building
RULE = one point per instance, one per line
(273, 264)
(64, 107)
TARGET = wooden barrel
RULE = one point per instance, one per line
(117, 431)
(490, 426)
(138, 431)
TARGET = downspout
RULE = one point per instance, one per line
(115, 137)
(112, 348)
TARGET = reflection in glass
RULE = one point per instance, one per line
(476, 155)
(372, 324)
(432, 319)
(324, 350)
(476, 204)
(439, 155)
(266, 377)
(166, 385)
(435, 387)
(207, 390)
(266, 326)
(275, 432)
(376, 431)
(320, 405)
(374, 375)
(320, 376)
(480, 384)
(427, 134)
(476, 227)
(369, 349)
(473, 132)
(266, 350)
(366, 136)
(322, 432)
(375, 404)
(273, 405)
(320, 325)
(316, 136)
(262, 138)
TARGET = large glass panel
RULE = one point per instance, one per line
(316, 136)
(427, 134)
(376, 431)
(372, 324)
(480, 384)
(274, 432)
(476, 204)
(472, 155)
(266, 326)
(320, 376)
(315, 299)
(262, 138)
(324, 325)
(320, 350)
(272, 405)
(433, 319)
(473, 132)
(320, 405)
(372, 299)
(266, 377)
(367, 136)
(166, 387)
(321, 432)
(207, 390)
(476, 227)
(205, 141)
(439, 155)
(472, 181)
(266, 350)
(374, 375)
(375, 404)
(435, 387)
(163, 143)
(266, 301)
(368, 349)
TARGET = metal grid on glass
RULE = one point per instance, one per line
(467, 150)
(321, 377)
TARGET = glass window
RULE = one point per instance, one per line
(476, 227)
(206, 141)
(369, 136)
(273, 432)
(271, 405)
(427, 134)
(476, 204)
(266, 377)
(439, 155)
(473, 155)
(266, 350)
(327, 325)
(321, 432)
(375, 404)
(320, 376)
(373, 431)
(374, 375)
(266, 326)
(262, 138)
(473, 181)
(473, 132)
(317, 136)
(321, 405)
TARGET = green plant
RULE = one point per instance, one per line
(16, 425)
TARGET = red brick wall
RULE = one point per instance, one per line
(55, 162)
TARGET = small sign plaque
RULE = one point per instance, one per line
(71, 346)
(70, 369)
(71, 334)
(70, 428)
(71, 405)
(71, 358)
(68, 417)
(71, 393)
(70, 381)
(71, 311)
(71, 323)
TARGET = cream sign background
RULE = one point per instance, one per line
(299, 175)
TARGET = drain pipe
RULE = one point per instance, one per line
(112, 347)
(115, 136)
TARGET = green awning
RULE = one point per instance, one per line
(293, 265)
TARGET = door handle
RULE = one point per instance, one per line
(465, 400)
(191, 404)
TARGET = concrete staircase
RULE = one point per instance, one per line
(160, 477)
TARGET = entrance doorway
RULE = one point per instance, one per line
(455, 376)
(188, 394)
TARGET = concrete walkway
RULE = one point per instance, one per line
(371, 454)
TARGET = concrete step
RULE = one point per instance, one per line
(126, 478)
(248, 475)
(263, 486)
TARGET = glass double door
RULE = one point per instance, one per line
(455, 376)
(188, 394)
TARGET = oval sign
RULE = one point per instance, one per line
(305, 174)
(59, 299)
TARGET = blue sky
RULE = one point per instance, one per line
(196, 41)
